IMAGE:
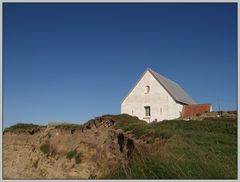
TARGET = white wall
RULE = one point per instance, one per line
(158, 99)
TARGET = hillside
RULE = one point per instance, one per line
(122, 146)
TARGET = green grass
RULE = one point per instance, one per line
(73, 153)
(78, 158)
(45, 148)
(68, 126)
(187, 150)
(23, 126)
(48, 150)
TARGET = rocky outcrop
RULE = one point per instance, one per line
(87, 152)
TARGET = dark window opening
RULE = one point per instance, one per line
(147, 111)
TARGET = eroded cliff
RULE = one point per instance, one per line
(60, 152)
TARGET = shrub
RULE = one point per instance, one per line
(45, 148)
(78, 158)
(71, 154)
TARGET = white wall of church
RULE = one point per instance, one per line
(161, 104)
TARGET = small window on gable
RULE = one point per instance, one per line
(147, 89)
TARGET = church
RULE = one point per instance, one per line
(156, 98)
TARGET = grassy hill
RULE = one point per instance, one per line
(179, 149)
(174, 149)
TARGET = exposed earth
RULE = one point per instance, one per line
(124, 147)
(99, 145)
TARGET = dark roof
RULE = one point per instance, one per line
(176, 92)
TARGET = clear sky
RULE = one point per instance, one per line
(72, 62)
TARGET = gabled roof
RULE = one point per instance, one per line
(174, 90)
(177, 93)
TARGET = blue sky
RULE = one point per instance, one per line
(72, 62)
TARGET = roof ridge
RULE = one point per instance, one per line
(156, 73)
(173, 88)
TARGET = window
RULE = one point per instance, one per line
(147, 111)
(147, 89)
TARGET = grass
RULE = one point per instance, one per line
(140, 128)
(73, 153)
(78, 158)
(45, 148)
(23, 126)
(68, 126)
(186, 150)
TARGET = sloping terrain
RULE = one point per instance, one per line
(64, 151)
(122, 146)
(178, 149)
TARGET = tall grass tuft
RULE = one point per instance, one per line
(45, 148)
(71, 154)
(78, 158)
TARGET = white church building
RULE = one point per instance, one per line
(155, 98)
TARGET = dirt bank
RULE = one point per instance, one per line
(56, 152)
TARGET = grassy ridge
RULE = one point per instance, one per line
(23, 126)
(186, 149)
(69, 126)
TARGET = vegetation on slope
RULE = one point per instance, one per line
(68, 126)
(73, 153)
(47, 149)
(23, 126)
(180, 149)
(174, 149)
